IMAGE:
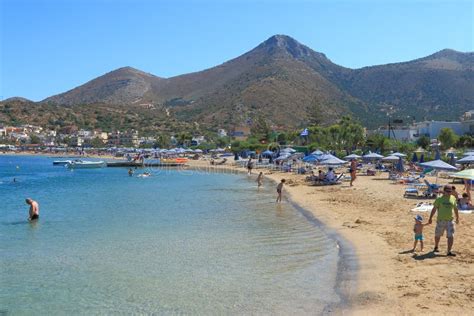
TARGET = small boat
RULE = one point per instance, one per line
(61, 162)
(82, 164)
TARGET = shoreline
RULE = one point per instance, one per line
(347, 262)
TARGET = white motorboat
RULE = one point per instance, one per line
(84, 164)
(61, 162)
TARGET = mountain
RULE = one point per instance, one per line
(437, 86)
(122, 86)
(287, 83)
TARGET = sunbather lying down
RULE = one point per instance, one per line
(329, 181)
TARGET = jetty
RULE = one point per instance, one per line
(132, 164)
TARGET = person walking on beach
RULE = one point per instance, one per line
(260, 179)
(353, 170)
(279, 190)
(445, 205)
(418, 230)
(34, 209)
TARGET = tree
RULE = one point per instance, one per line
(315, 112)
(447, 137)
(423, 141)
(260, 127)
(34, 139)
(97, 142)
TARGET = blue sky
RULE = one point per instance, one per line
(51, 46)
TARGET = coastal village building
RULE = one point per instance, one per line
(127, 138)
(430, 129)
(241, 133)
(221, 132)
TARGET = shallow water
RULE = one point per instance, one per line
(178, 242)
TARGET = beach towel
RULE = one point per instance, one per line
(423, 207)
(465, 211)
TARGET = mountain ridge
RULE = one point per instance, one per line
(284, 81)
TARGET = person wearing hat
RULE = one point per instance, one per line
(418, 230)
(445, 205)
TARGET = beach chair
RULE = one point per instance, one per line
(411, 192)
(432, 189)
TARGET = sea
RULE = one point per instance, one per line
(178, 242)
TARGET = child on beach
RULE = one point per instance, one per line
(418, 230)
(279, 189)
(260, 179)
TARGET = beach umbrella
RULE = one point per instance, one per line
(415, 157)
(325, 157)
(287, 151)
(469, 153)
(352, 156)
(334, 161)
(198, 151)
(317, 152)
(420, 150)
(400, 167)
(466, 160)
(372, 156)
(465, 174)
(438, 165)
(391, 158)
(422, 158)
(267, 153)
(398, 154)
(282, 157)
(310, 158)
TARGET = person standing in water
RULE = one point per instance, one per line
(130, 172)
(249, 166)
(260, 179)
(34, 209)
(279, 190)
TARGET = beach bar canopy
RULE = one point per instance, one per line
(438, 165)
(352, 156)
(373, 156)
(465, 174)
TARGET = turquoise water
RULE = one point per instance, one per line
(178, 242)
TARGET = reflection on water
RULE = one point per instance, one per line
(173, 243)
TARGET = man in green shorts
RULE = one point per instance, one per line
(444, 222)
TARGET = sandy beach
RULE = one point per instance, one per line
(375, 217)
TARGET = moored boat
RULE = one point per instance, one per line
(61, 162)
